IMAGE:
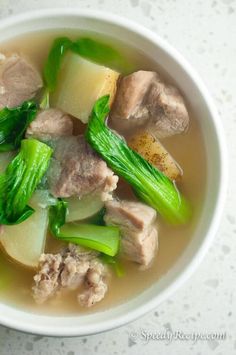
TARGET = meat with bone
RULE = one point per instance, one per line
(96, 287)
(47, 280)
(71, 269)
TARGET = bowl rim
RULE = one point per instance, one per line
(133, 314)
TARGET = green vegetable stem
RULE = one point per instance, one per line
(101, 238)
(13, 124)
(149, 184)
(88, 48)
(20, 179)
(115, 263)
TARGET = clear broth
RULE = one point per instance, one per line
(187, 149)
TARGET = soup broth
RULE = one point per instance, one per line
(187, 149)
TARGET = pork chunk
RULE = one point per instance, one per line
(73, 272)
(19, 80)
(139, 237)
(46, 281)
(144, 99)
(78, 252)
(129, 101)
(96, 287)
(77, 170)
(72, 269)
(50, 123)
(76, 263)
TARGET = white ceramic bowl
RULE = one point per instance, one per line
(199, 99)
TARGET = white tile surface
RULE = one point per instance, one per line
(205, 32)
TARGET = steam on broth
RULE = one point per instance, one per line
(172, 239)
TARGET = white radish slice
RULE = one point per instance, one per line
(80, 84)
(25, 242)
(79, 209)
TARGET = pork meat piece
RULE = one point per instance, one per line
(139, 237)
(168, 112)
(50, 123)
(77, 170)
(46, 281)
(79, 252)
(19, 80)
(144, 99)
(76, 263)
(95, 285)
(129, 101)
(74, 268)
(73, 272)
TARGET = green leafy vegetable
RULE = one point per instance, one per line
(99, 52)
(57, 217)
(83, 208)
(98, 218)
(20, 179)
(117, 266)
(149, 184)
(101, 238)
(53, 63)
(88, 48)
(13, 124)
(44, 103)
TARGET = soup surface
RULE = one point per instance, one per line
(187, 149)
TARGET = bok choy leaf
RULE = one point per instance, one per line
(100, 53)
(13, 124)
(20, 179)
(88, 48)
(115, 263)
(149, 183)
(53, 63)
(101, 238)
